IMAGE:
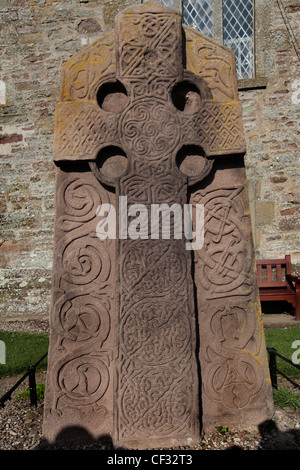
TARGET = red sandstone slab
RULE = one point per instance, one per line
(138, 325)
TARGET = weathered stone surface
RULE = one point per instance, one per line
(264, 213)
(125, 327)
(81, 366)
(234, 372)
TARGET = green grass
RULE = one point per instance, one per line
(40, 392)
(22, 350)
(282, 339)
(286, 398)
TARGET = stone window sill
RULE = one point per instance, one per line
(252, 83)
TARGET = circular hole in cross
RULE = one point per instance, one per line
(191, 160)
(186, 96)
(112, 162)
(112, 97)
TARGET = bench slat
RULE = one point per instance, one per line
(269, 273)
(278, 273)
(274, 284)
(264, 262)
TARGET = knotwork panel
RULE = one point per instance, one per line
(235, 377)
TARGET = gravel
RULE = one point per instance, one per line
(21, 429)
(21, 424)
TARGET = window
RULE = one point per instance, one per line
(199, 15)
(238, 34)
(238, 24)
(237, 27)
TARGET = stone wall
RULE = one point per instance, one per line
(271, 124)
(36, 38)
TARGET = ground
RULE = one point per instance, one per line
(21, 424)
(21, 428)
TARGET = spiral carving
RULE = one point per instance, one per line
(80, 202)
(150, 128)
(84, 318)
(84, 379)
(83, 263)
(82, 296)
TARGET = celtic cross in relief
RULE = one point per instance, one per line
(150, 132)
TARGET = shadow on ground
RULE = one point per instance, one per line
(78, 438)
(274, 439)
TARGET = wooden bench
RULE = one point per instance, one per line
(276, 282)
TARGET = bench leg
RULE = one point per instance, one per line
(297, 309)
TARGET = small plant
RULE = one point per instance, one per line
(40, 392)
(286, 398)
(222, 429)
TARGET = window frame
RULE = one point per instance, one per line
(261, 14)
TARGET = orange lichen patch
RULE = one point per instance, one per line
(82, 74)
(212, 62)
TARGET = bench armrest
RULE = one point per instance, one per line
(292, 278)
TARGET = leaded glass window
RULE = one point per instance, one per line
(199, 15)
(238, 34)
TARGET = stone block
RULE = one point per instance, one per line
(31, 38)
(264, 213)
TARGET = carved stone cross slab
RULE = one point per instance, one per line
(151, 343)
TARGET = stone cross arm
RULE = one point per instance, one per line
(82, 129)
(146, 66)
